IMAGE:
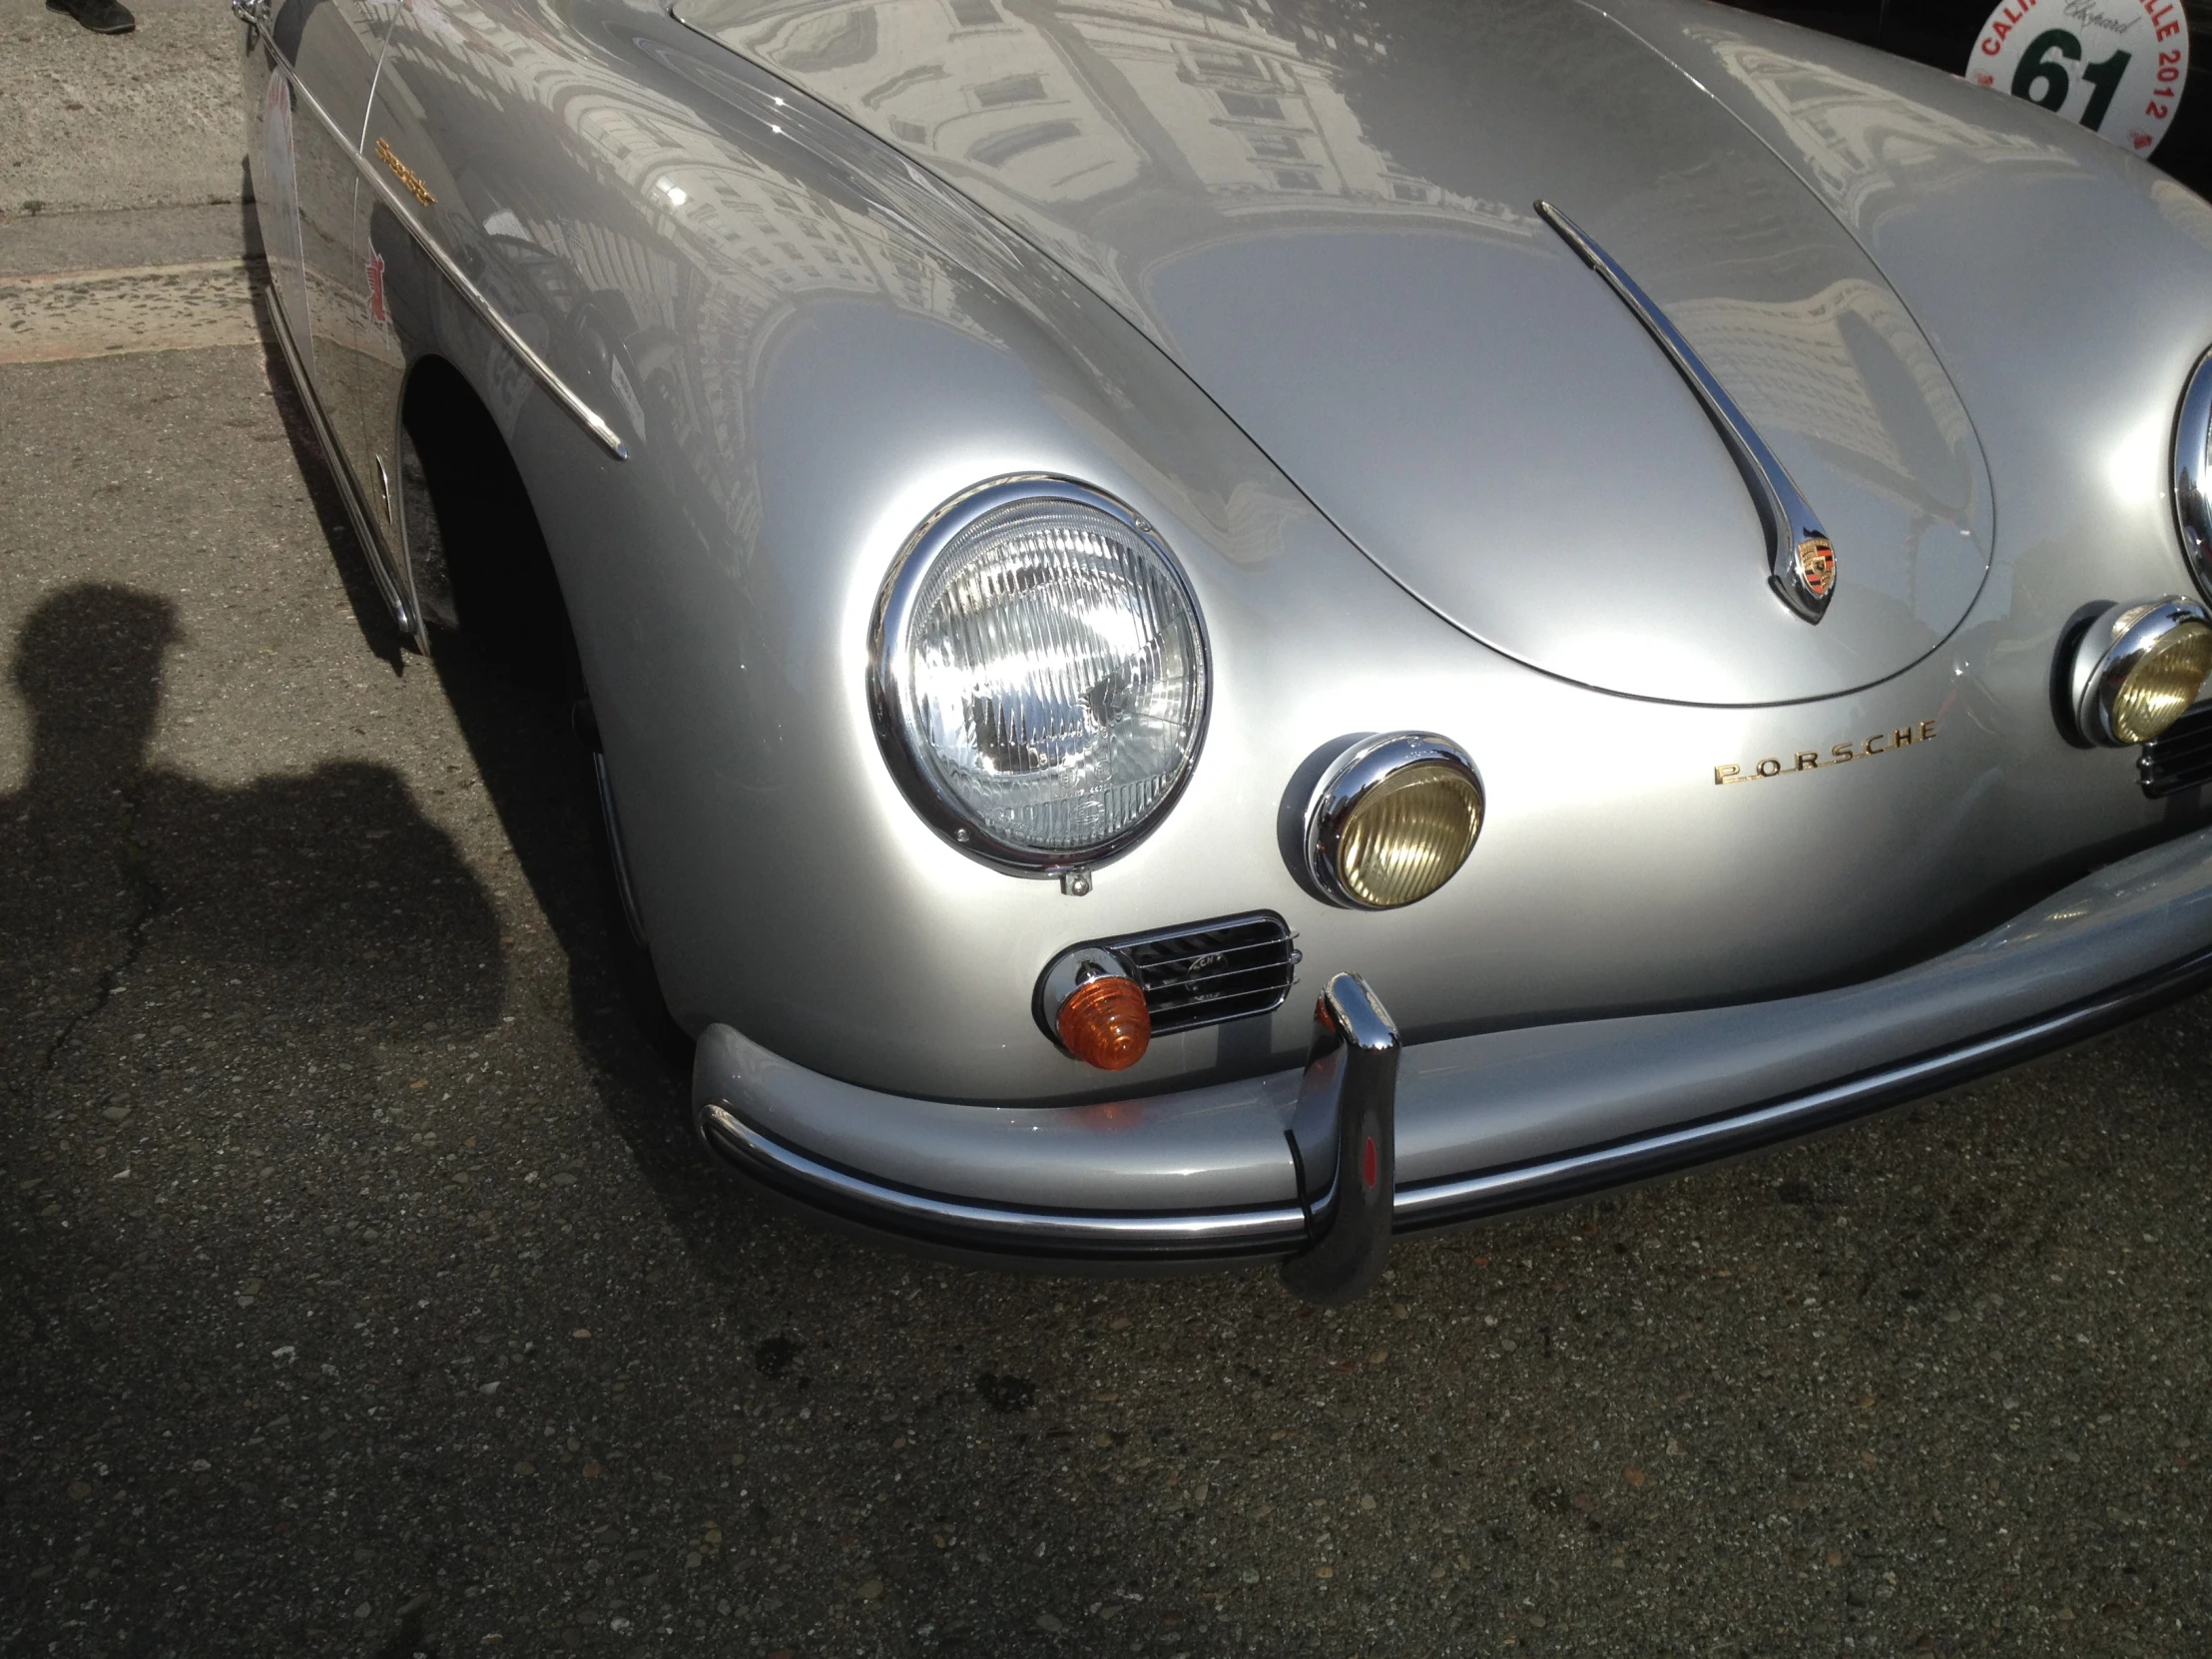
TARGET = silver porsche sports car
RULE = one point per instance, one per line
(1213, 629)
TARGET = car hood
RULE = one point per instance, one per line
(1330, 225)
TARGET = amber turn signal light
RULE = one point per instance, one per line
(1105, 1023)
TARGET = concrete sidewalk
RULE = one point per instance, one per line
(123, 225)
(98, 122)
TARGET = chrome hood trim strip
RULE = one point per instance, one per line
(1792, 530)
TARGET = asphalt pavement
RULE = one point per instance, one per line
(359, 1293)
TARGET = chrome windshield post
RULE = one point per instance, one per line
(1347, 1112)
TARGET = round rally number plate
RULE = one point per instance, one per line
(2114, 66)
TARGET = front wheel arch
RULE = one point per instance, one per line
(490, 590)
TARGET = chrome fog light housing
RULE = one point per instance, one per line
(1392, 820)
(1039, 674)
(2137, 668)
(2193, 473)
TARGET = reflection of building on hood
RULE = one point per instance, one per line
(767, 236)
(1018, 112)
(1073, 111)
(1858, 138)
(1809, 366)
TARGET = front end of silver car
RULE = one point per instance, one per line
(1159, 717)
(1193, 835)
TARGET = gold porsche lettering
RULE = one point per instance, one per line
(1812, 760)
(406, 175)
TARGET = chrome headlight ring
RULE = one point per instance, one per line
(1337, 842)
(2193, 473)
(1152, 619)
(2135, 669)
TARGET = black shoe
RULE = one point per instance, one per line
(102, 17)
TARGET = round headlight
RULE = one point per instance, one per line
(2193, 473)
(1039, 674)
(1392, 819)
(2138, 668)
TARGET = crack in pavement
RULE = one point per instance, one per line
(146, 903)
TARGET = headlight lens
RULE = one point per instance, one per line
(1040, 673)
(1392, 819)
(2159, 689)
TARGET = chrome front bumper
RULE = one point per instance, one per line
(1483, 1124)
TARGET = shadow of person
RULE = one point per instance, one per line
(210, 998)
(320, 908)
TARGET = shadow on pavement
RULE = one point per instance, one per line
(302, 900)
(201, 986)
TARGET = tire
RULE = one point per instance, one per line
(629, 954)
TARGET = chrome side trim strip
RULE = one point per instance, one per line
(614, 853)
(373, 545)
(401, 205)
(1800, 557)
(952, 1221)
(1472, 1196)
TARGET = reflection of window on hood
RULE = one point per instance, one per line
(974, 14)
(899, 83)
(1226, 66)
(1249, 105)
(838, 41)
(1015, 89)
(1001, 148)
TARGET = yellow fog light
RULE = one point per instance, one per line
(2137, 668)
(2159, 689)
(1392, 820)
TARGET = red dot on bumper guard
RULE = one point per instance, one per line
(1367, 1163)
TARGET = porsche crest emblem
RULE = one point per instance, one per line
(1816, 566)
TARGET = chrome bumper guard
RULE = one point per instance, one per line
(1461, 1128)
(1348, 1104)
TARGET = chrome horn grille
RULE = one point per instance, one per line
(1206, 972)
